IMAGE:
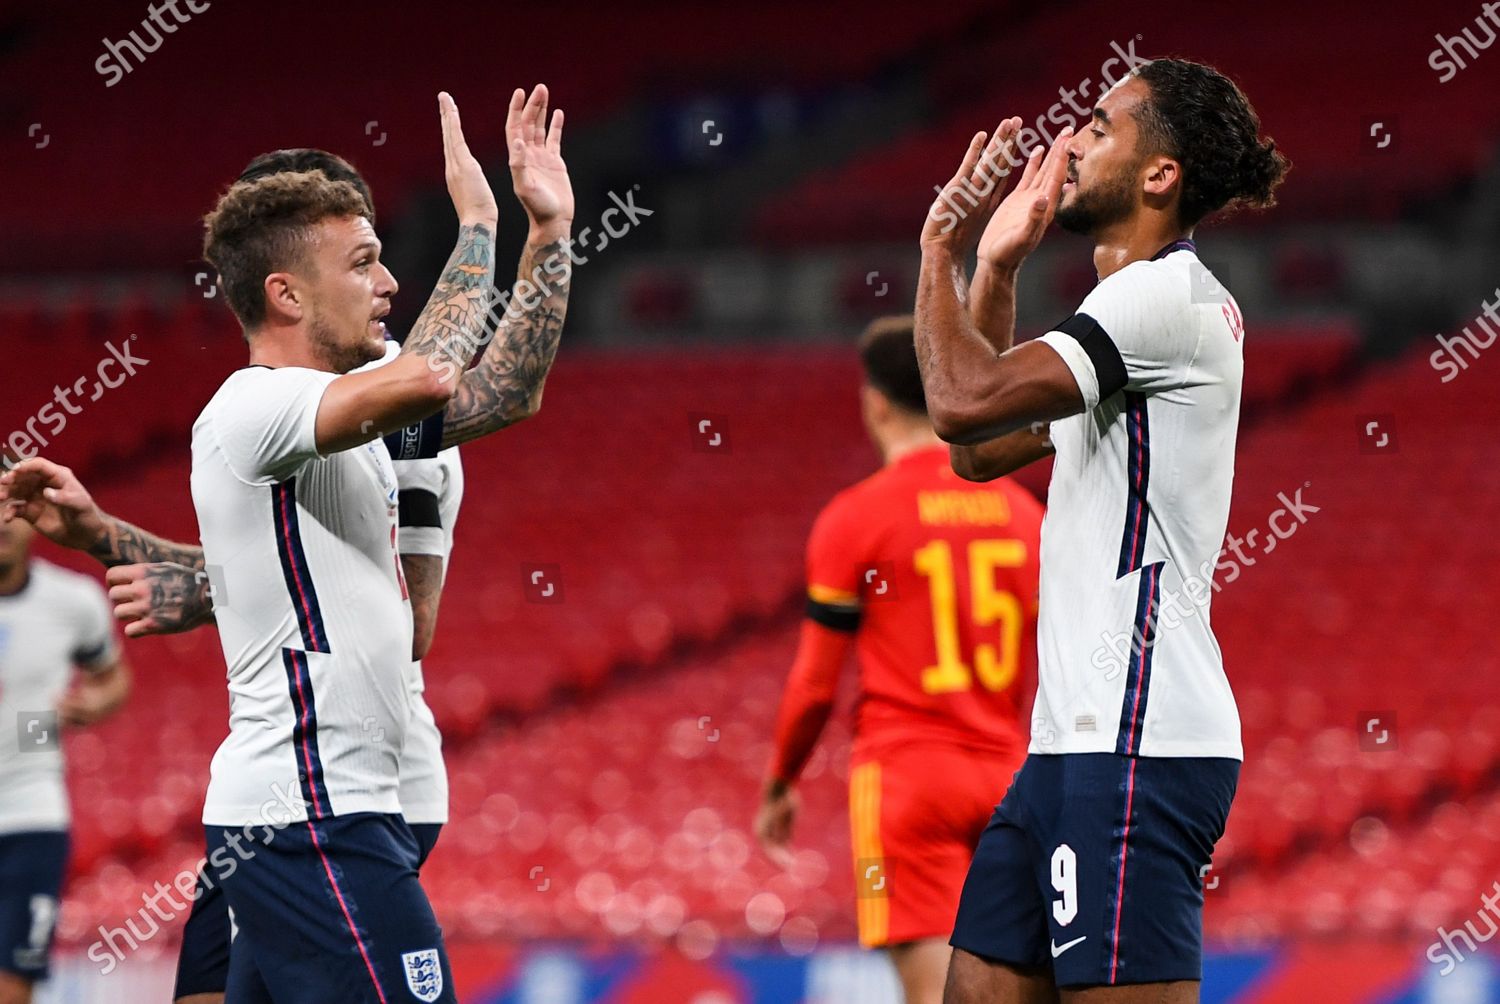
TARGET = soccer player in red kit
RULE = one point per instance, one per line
(933, 580)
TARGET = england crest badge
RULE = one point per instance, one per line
(424, 974)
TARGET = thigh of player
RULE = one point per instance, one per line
(32, 866)
(331, 910)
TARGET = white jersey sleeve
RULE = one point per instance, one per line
(422, 531)
(1132, 332)
(268, 427)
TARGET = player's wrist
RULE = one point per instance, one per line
(547, 232)
(479, 218)
(999, 272)
(776, 787)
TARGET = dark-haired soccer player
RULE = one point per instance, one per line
(1085, 885)
(933, 580)
(297, 504)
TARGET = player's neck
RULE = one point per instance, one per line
(286, 347)
(13, 578)
(1134, 240)
(907, 443)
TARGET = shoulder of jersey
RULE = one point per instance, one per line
(241, 381)
(52, 577)
(1167, 278)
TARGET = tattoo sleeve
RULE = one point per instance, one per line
(506, 385)
(450, 328)
(124, 544)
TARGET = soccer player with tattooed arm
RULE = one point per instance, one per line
(297, 504)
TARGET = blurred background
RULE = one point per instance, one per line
(606, 738)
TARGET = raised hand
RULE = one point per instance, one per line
(51, 498)
(973, 208)
(958, 215)
(1016, 226)
(537, 171)
(467, 186)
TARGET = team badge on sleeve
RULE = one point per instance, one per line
(424, 974)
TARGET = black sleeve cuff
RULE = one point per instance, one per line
(1109, 368)
(835, 618)
(418, 507)
(89, 656)
(420, 441)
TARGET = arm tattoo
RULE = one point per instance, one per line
(450, 328)
(506, 385)
(181, 597)
(424, 583)
(124, 544)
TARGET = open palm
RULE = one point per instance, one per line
(1022, 217)
(537, 170)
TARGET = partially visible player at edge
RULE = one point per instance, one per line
(297, 500)
(1086, 885)
(59, 666)
(934, 580)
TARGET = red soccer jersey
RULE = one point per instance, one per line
(937, 577)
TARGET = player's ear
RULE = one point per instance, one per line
(874, 405)
(284, 297)
(1162, 175)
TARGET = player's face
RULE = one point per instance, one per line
(349, 292)
(15, 542)
(1104, 164)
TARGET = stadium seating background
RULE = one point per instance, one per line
(606, 741)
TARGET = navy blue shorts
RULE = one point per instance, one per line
(1093, 867)
(32, 866)
(203, 960)
(327, 910)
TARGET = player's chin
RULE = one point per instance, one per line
(375, 338)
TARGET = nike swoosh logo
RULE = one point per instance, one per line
(1059, 949)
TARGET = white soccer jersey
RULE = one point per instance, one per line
(431, 493)
(310, 605)
(1136, 516)
(58, 621)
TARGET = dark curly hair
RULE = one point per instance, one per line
(1201, 119)
(309, 159)
(888, 353)
(264, 226)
